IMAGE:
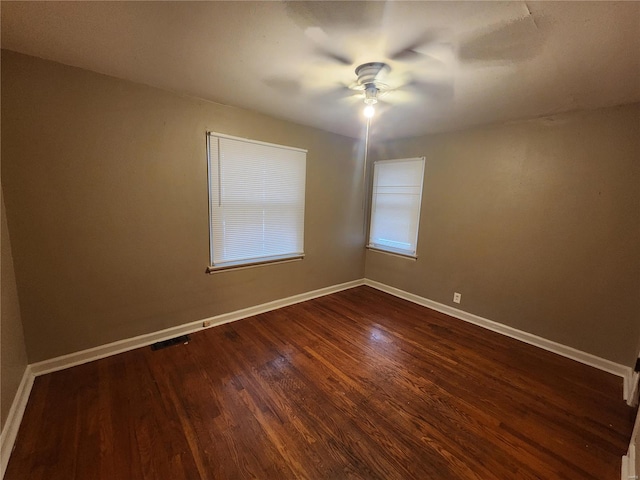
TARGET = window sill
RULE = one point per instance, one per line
(252, 264)
(407, 256)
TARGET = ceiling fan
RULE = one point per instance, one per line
(425, 66)
(369, 82)
(418, 72)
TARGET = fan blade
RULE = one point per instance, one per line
(341, 59)
(410, 52)
(441, 91)
(338, 92)
(396, 97)
(426, 46)
(321, 41)
(417, 91)
(514, 41)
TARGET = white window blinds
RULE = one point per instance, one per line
(256, 198)
(395, 205)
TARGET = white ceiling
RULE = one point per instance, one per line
(455, 64)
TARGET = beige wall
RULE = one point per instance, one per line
(105, 185)
(537, 224)
(13, 355)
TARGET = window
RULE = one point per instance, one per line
(256, 201)
(395, 205)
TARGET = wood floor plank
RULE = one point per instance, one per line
(358, 384)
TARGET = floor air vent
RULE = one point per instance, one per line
(170, 342)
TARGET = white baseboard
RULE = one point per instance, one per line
(629, 460)
(12, 425)
(91, 354)
(628, 471)
(631, 386)
(624, 471)
(583, 357)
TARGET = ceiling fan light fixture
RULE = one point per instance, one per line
(369, 75)
(371, 94)
(369, 111)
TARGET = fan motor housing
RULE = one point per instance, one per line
(368, 72)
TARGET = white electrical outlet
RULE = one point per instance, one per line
(457, 297)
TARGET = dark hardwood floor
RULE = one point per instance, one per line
(358, 384)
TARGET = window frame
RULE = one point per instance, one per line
(215, 165)
(371, 245)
